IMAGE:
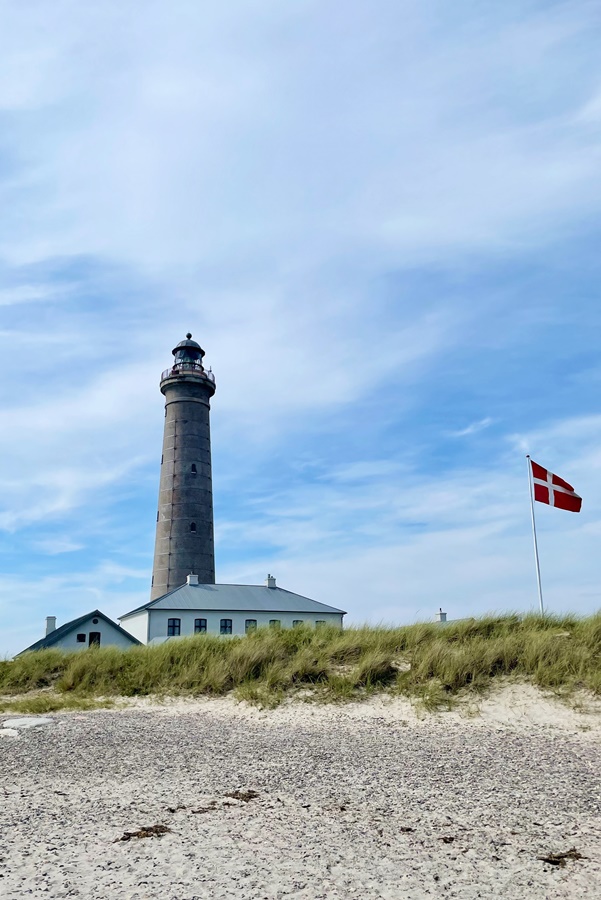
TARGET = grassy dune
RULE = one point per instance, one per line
(430, 663)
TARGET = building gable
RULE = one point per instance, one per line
(64, 634)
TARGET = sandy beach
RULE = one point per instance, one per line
(360, 801)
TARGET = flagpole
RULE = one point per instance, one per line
(540, 590)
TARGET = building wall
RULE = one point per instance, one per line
(185, 493)
(159, 620)
(137, 625)
(109, 636)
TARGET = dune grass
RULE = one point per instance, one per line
(428, 662)
(41, 703)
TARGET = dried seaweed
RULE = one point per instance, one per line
(146, 832)
(559, 859)
(245, 796)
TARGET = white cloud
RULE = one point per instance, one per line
(272, 181)
(366, 470)
(53, 546)
(473, 427)
(400, 546)
(28, 293)
(60, 452)
(590, 112)
(200, 137)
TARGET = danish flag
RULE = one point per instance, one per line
(553, 490)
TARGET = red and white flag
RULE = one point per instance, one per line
(553, 490)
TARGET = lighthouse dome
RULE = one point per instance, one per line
(188, 350)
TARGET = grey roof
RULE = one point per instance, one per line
(63, 630)
(235, 597)
(188, 343)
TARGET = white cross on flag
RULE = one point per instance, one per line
(553, 490)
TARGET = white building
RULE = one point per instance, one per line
(235, 609)
(93, 629)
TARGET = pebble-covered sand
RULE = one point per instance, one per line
(350, 803)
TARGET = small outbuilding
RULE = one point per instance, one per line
(225, 609)
(93, 629)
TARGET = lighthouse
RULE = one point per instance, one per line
(184, 542)
(184, 599)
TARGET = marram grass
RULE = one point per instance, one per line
(41, 703)
(431, 663)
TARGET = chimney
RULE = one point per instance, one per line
(50, 624)
(270, 581)
(192, 579)
(440, 616)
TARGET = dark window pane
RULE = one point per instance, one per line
(225, 626)
(81, 638)
(173, 627)
(200, 626)
(193, 527)
(250, 625)
(274, 623)
(297, 622)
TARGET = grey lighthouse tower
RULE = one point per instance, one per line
(184, 536)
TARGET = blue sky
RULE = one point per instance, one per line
(380, 220)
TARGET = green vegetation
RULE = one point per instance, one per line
(428, 662)
(38, 704)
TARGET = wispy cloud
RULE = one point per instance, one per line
(27, 293)
(205, 143)
(377, 234)
(393, 548)
(473, 427)
(56, 545)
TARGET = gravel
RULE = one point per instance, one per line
(342, 808)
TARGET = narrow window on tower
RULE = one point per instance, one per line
(157, 515)
(193, 468)
(193, 527)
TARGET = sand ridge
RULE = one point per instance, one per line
(518, 706)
